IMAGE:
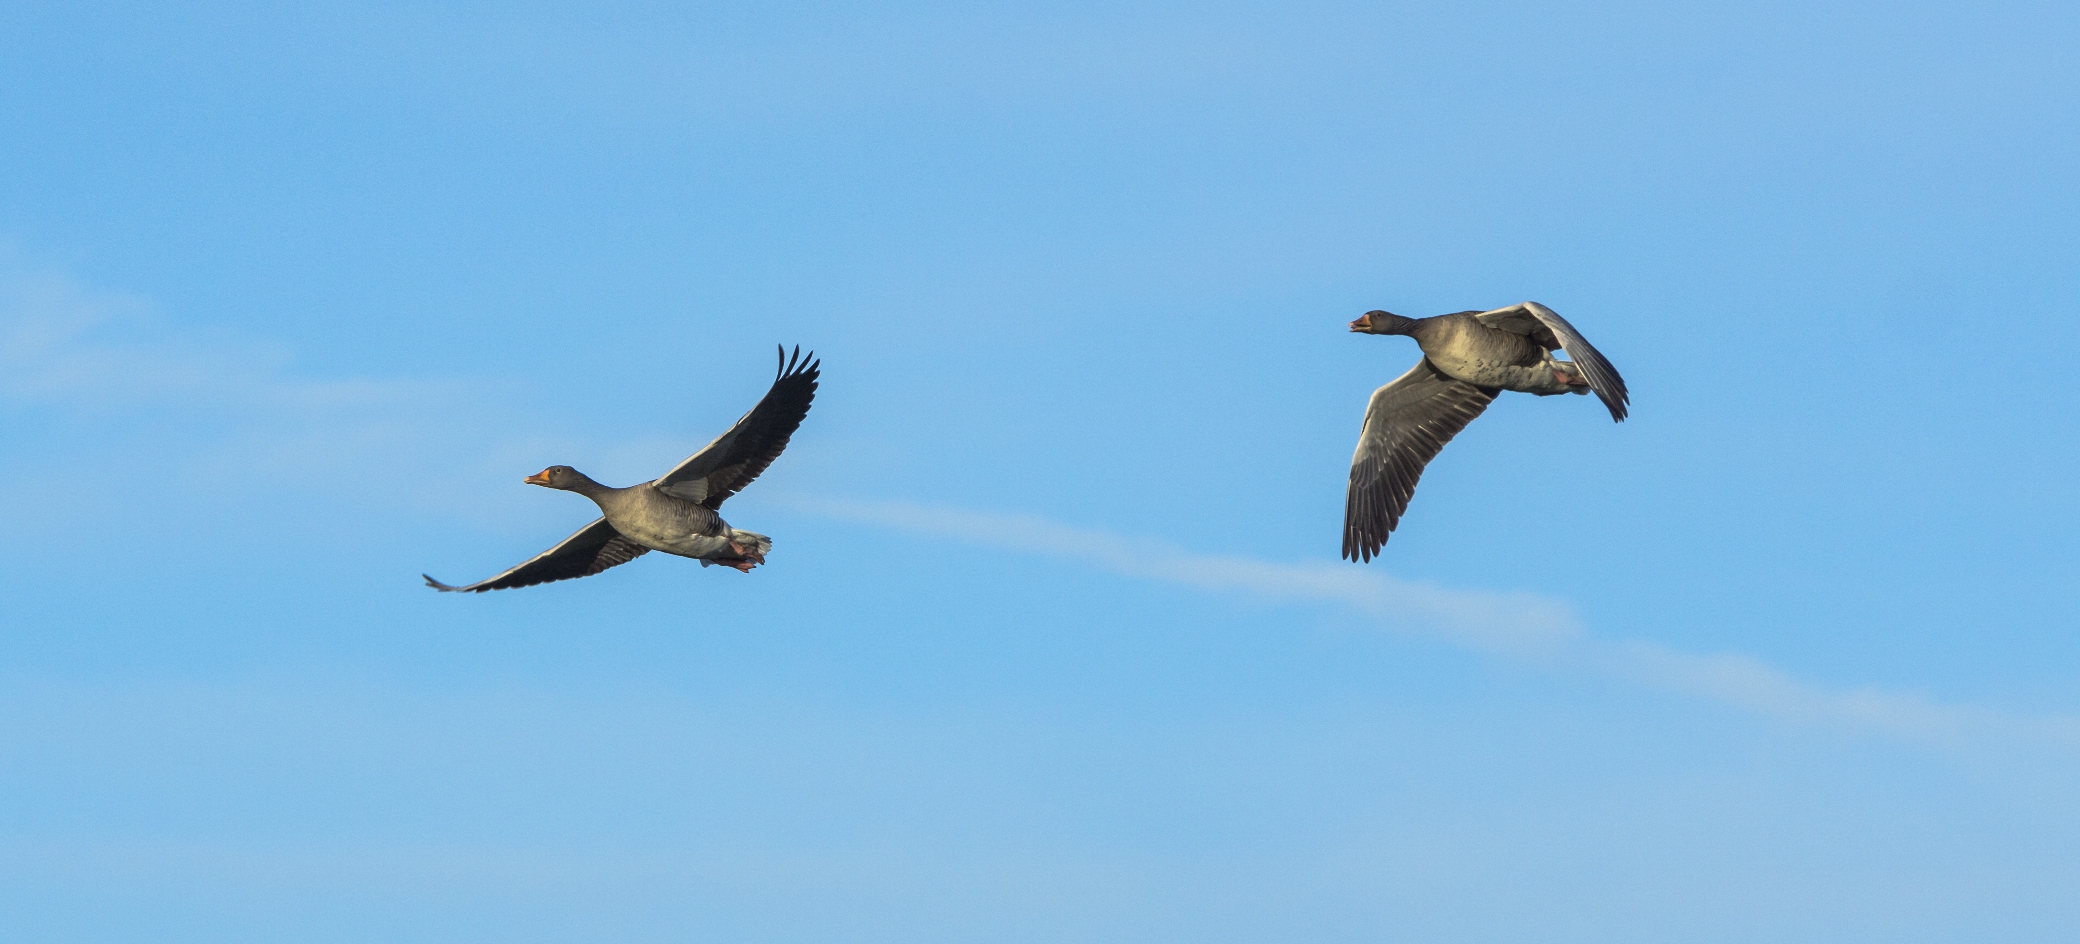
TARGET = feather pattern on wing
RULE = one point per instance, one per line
(736, 457)
(595, 547)
(1545, 326)
(1406, 424)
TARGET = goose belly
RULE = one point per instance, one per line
(682, 544)
(1490, 358)
(672, 537)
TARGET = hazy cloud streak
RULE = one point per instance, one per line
(210, 406)
(1516, 625)
(65, 344)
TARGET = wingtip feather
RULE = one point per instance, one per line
(796, 364)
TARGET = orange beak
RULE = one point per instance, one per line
(1364, 322)
(539, 478)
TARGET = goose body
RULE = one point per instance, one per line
(1469, 358)
(673, 525)
(1465, 349)
(677, 513)
(658, 521)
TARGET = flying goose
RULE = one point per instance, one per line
(1468, 358)
(676, 513)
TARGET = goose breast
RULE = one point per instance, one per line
(1464, 349)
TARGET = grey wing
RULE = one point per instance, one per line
(1406, 424)
(736, 457)
(595, 547)
(1545, 326)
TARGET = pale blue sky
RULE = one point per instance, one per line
(1053, 644)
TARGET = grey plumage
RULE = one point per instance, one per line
(1469, 358)
(1407, 423)
(677, 512)
(596, 547)
(1548, 330)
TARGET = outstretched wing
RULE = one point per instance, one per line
(1406, 424)
(1545, 326)
(595, 547)
(736, 457)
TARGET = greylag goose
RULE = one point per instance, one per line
(1468, 358)
(677, 513)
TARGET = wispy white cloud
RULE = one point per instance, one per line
(1512, 625)
(1744, 681)
(1516, 623)
(218, 405)
(67, 344)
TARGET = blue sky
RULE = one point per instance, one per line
(1054, 644)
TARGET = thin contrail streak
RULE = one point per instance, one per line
(1518, 626)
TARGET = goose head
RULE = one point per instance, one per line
(1381, 322)
(563, 477)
